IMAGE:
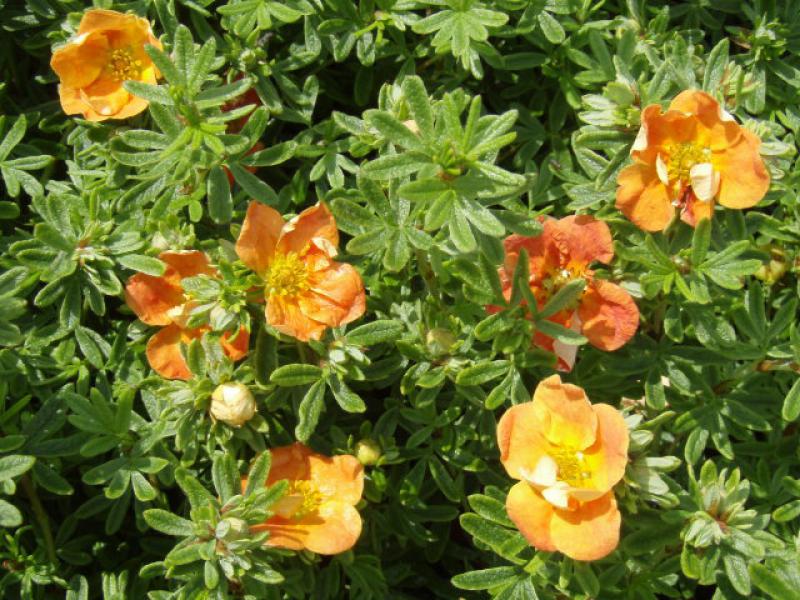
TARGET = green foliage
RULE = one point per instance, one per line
(432, 129)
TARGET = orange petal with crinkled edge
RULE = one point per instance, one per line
(336, 296)
(287, 317)
(543, 252)
(80, 61)
(589, 532)
(520, 440)
(164, 353)
(532, 515)
(289, 462)
(583, 239)
(643, 198)
(106, 96)
(315, 222)
(660, 130)
(608, 314)
(721, 128)
(183, 264)
(108, 20)
(744, 177)
(260, 232)
(237, 348)
(333, 529)
(72, 103)
(151, 297)
(340, 477)
(564, 413)
(607, 458)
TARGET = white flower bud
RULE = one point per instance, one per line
(232, 403)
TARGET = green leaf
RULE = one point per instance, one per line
(296, 374)
(481, 373)
(377, 332)
(564, 297)
(152, 93)
(309, 411)
(15, 465)
(348, 400)
(169, 523)
(220, 204)
(551, 28)
(143, 264)
(417, 97)
(700, 241)
(791, 404)
(9, 515)
(259, 471)
(485, 579)
(560, 333)
(771, 583)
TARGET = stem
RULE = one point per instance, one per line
(41, 516)
(301, 350)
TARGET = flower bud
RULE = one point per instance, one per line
(412, 126)
(439, 341)
(232, 529)
(368, 452)
(232, 403)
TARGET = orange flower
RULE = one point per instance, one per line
(306, 290)
(686, 158)
(161, 301)
(568, 454)
(318, 511)
(108, 50)
(604, 313)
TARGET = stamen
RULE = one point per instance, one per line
(123, 66)
(287, 276)
(572, 467)
(682, 157)
(310, 495)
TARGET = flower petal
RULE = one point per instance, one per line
(106, 20)
(531, 514)
(106, 96)
(164, 353)
(72, 103)
(520, 440)
(314, 222)
(187, 263)
(236, 349)
(338, 477)
(661, 130)
(336, 296)
(339, 530)
(259, 236)
(745, 179)
(694, 210)
(607, 458)
(583, 239)
(610, 316)
(704, 180)
(80, 61)
(589, 532)
(564, 414)
(721, 129)
(643, 198)
(286, 316)
(289, 462)
(151, 297)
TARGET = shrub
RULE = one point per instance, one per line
(399, 299)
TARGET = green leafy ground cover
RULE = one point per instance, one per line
(113, 478)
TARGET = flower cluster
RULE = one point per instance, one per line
(566, 453)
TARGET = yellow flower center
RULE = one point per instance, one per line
(309, 497)
(122, 65)
(557, 278)
(572, 467)
(287, 276)
(682, 157)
